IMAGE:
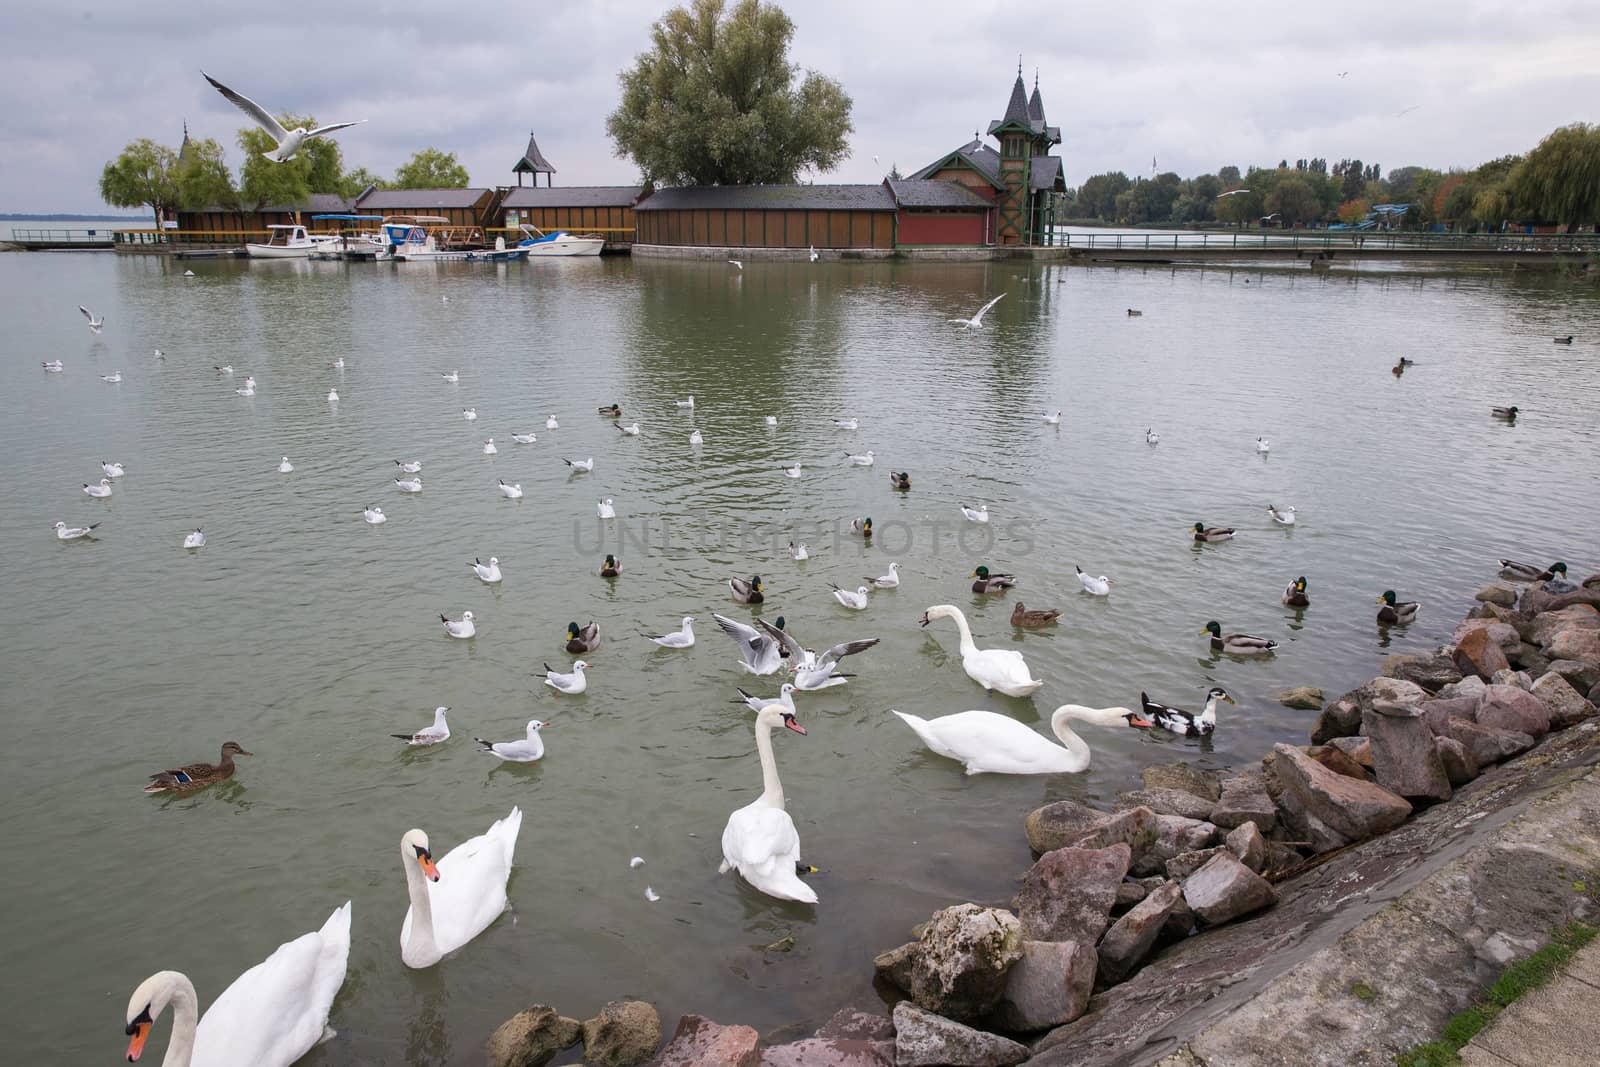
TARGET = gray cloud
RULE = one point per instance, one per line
(1197, 88)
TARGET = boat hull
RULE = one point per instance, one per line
(255, 251)
(565, 246)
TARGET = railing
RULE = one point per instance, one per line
(1319, 241)
(62, 237)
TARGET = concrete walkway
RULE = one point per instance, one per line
(1556, 1025)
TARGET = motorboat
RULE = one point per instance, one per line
(409, 238)
(352, 242)
(537, 243)
(288, 242)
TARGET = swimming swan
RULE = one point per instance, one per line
(992, 668)
(989, 743)
(456, 899)
(760, 841)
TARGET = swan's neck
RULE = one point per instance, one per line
(1077, 748)
(968, 648)
(421, 943)
(771, 788)
(185, 1019)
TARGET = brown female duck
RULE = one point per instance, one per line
(1021, 616)
(194, 776)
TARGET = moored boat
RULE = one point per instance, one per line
(537, 243)
(288, 242)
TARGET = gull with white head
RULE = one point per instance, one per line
(288, 142)
(511, 492)
(462, 629)
(102, 490)
(976, 322)
(528, 750)
(436, 734)
(197, 539)
(95, 324)
(374, 516)
(285, 467)
(488, 572)
(571, 683)
(683, 638)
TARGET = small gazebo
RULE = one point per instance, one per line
(533, 162)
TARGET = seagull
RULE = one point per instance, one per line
(114, 377)
(1262, 445)
(683, 638)
(451, 376)
(887, 581)
(605, 510)
(1100, 586)
(524, 438)
(813, 252)
(1407, 111)
(976, 322)
(288, 141)
(577, 465)
(736, 263)
(408, 485)
(759, 653)
(684, 403)
(159, 355)
(570, 684)
(285, 467)
(511, 492)
(95, 325)
(488, 447)
(631, 431)
(410, 466)
(797, 552)
(812, 671)
(1281, 516)
(651, 895)
(195, 540)
(102, 490)
(55, 366)
(188, 274)
(444, 298)
(226, 368)
(463, 629)
(72, 533)
(374, 515)
(333, 396)
(696, 438)
(338, 364)
(846, 424)
(249, 388)
(1151, 437)
(1053, 420)
(429, 735)
(470, 414)
(978, 514)
(551, 423)
(772, 420)
(792, 472)
(785, 699)
(528, 750)
(856, 601)
(113, 470)
(489, 572)
(1343, 73)
(862, 460)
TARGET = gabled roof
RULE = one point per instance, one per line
(396, 200)
(914, 192)
(975, 154)
(575, 196)
(1046, 174)
(533, 160)
(770, 197)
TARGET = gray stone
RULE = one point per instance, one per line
(1536, 600)
(1301, 697)
(1432, 672)
(1068, 894)
(1582, 675)
(923, 1039)
(1131, 937)
(1501, 633)
(1246, 843)
(1184, 864)
(1435, 712)
(1342, 718)
(1575, 643)
(1048, 986)
(959, 968)
(1528, 658)
(1224, 889)
(1245, 799)
(830, 1052)
(1564, 704)
(1544, 627)
(1471, 686)
(1173, 834)
(1485, 744)
(1459, 766)
(855, 1024)
(532, 1038)
(895, 965)
(1057, 825)
(1513, 678)
(1128, 894)
(1201, 783)
(624, 1034)
(1479, 655)
(699, 1042)
(1138, 828)
(1405, 760)
(1506, 707)
(1358, 748)
(1165, 801)
(1502, 593)
(1594, 694)
(1336, 810)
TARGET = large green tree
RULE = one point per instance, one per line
(1560, 180)
(714, 101)
(1097, 197)
(430, 168)
(318, 168)
(144, 174)
(204, 179)
(1295, 200)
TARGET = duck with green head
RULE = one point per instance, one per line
(1205, 534)
(584, 638)
(991, 583)
(1294, 594)
(1509, 414)
(901, 480)
(610, 568)
(1237, 644)
(1527, 572)
(747, 592)
(862, 527)
(1396, 612)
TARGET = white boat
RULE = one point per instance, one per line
(289, 242)
(560, 243)
(409, 239)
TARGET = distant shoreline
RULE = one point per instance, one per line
(68, 216)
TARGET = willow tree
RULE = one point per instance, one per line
(431, 168)
(715, 101)
(144, 174)
(1560, 180)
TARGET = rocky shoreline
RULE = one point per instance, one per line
(1190, 852)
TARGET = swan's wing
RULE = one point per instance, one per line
(759, 838)
(320, 130)
(249, 107)
(471, 891)
(987, 741)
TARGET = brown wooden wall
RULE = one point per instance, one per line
(576, 219)
(760, 228)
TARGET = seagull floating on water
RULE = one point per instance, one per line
(1100, 586)
(488, 572)
(529, 750)
(695, 438)
(288, 142)
(1281, 516)
(411, 466)
(226, 368)
(1151, 437)
(1262, 445)
(72, 533)
(785, 699)
(285, 467)
(812, 250)
(95, 324)
(651, 895)
(792, 472)
(978, 514)
(462, 629)
(976, 322)
(438, 733)
(772, 420)
(159, 354)
(188, 274)
(470, 414)
(54, 366)
(861, 460)
(511, 492)
(488, 447)
(847, 424)
(114, 377)
(631, 431)
(333, 396)
(551, 423)
(887, 581)
(113, 470)
(856, 601)
(584, 465)
(524, 438)
(338, 364)
(571, 684)
(102, 490)
(684, 403)
(605, 510)
(797, 552)
(451, 376)
(195, 540)
(249, 387)
(408, 485)
(1053, 420)
(683, 638)
(374, 516)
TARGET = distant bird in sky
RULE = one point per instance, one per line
(1407, 111)
(95, 324)
(1343, 73)
(976, 322)
(288, 141)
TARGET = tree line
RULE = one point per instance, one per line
(1557, 183)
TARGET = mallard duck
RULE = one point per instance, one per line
(1134, 313)
(1238, 644)
(194, 776)
(1527, 572)
(1509, 414)
(1405, 362)
(1186, 723)
(1021, 616)
(991, 583)
(1294, 594)
(900, 481)
(861, 526)
(1215, 533)
(747, 592)
(610, 411)
(1398, 369)
(1396, 612)
(1567, 340)
(583, 639)
(610, 568)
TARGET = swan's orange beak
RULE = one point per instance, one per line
(141, 1032)
(1143, 724)
(425, 860)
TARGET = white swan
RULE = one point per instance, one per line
(456, 899)
(989, 743)
(270, 1016)
(992, 668)
(760, 841)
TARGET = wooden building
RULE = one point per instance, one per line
(463, 207)
(607, 209)
(941, 213)
(216, 219)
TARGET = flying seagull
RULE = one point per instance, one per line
(1407, 111)
(289, 141)
(976, 322)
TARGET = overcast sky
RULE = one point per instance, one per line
(1194, 86)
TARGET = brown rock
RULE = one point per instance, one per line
(624, 1034)
(1174, 834)
(923, 1039)
(1564, 704)
(1165, 801)
(1575, 644)
(699, 1042)
(1068, 894)
(1337, 810)
(1128, 894)
(1477, 654)
(1459, 766)
(532, 1038)
(1501, 633)
(1131, 937)
(1049, 986)
(1334, 758)
(1431, 672)
(1405, 760)
(854, 1024)
(895, 965)
(830, 1052)
(959, 968)
(1536, 600)
(1302, 697)
(1244, 799)
(1057, 825)
(1342, 718)
(1544, 627)
(1485, 744)
(1507, 707)
(1135, 827)
(1359, 749)
(1501, 593)
(1582, 675)
(1184, 864)
(1225, 889)
(1201, 783)
(1247, 844)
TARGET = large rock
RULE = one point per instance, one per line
(624, 1034)
(1575, 644)
(1068, 894)
(1173, 835)
(1564, 704)
(1530, 659)
(1359, 749)
(1543, 629)
(1334, 810)
(1459, 766)
(854, 1024)
(1478, 654)
(1225, 889)
(1050, 985)
(1501, 633)
(1165, 801)
(699, 1042)
(1516, 679)
(1470, 686)
(1138, 828)
(1342, 718)
(1301, 698)
(1059, 824)
(829, 1052)
(1502, 593)
(1201, 783)
(1507, 707)
(1582, 675)
(959, 969)
(1485, 744)
(1537, 600)
(923, 1039)
(1435, 712)
(896, 964)
(1245, 799)
(1184, 864)
(1247, 844)
(1431, 672)
(1335, 759)
(1404, 758)
(532, 1038)
(1131, 937)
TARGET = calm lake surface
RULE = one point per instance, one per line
(310, 637)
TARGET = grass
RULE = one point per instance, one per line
(1362, 991)
(1518, 979)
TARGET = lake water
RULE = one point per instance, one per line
(310, 637)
